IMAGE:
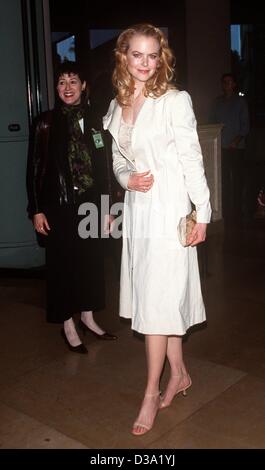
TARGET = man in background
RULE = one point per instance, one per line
(231, 110)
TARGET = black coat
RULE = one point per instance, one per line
(49, 180)
(75, 265)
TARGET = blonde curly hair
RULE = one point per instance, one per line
(160, 82)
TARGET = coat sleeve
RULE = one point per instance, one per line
(121, 172)
(189, 153)
(37, 162)
(120, 168)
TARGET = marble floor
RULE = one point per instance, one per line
(51, 398)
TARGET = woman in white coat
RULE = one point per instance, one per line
(157, 159)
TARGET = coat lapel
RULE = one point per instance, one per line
(112, 121)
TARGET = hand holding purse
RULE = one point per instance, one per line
(185, 227)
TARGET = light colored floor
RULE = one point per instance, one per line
(52, 398)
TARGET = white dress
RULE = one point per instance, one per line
(160, 285)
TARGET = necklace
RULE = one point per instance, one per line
(138, 94)
(137, 100)
(130, 113)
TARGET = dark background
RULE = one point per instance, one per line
(83, 16)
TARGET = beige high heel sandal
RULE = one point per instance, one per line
(144, 427)
(182, 389)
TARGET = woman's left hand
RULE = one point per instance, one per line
(198, 234)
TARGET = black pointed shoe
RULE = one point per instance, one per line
(105, 336)
(81, 349)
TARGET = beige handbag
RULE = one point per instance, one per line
(185, 227)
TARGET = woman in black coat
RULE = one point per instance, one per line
(68, 172)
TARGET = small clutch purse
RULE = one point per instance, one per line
(185, 227)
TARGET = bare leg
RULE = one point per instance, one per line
(156, 347)
(71, 333)
(179, 378)
(88, 319)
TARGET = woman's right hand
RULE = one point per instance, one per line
(41, 223)
(140, 181)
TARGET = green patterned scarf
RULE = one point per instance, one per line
(78, 154)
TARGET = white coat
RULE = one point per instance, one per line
(160, 284)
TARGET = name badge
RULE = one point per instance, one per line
(98, 140)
